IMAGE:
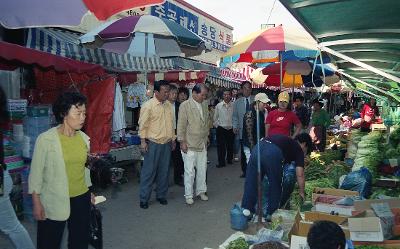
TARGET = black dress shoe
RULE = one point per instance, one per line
(162, 201)
(220, 166)
(230, 162)
(144, 205)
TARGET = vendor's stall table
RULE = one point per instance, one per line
(131, 152)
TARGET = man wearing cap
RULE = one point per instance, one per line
(250, 125)
(241, 106)
(280, 121)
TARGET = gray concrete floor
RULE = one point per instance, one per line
(175, 226)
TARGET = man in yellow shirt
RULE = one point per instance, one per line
(157, 134)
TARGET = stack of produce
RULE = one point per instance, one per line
(392, 149)
(352, 144)
(323, 171)
(369, 153)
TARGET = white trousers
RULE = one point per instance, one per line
(193, 159)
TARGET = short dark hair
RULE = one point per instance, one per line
(172, 87)
(64, 103)
(319, 102)
(227, 90)
(198, 87)
(184, 90)
(159, 84)
(327, 235)
(305, 138)
(299, 97)
(245, 83)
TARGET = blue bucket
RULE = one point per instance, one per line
(238, 219)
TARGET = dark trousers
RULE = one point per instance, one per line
(50, 232)
(225, 140)
(156, 164)
(271, 159)
(177, 162)
(243, 161)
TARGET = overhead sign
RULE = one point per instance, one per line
(216, 34)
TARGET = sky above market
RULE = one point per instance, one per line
(247, 16)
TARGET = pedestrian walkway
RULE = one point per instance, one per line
(178, 226)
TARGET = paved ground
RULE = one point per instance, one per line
(175, 226)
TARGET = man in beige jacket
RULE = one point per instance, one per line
(192, 131)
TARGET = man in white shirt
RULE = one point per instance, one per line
(223, 122)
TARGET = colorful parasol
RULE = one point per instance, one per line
(138, 34)
(61, 13)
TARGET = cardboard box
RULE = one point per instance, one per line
(366, 204)
(333, 208)
(375, 226)
(389, 244)
(298, 242)
(301, 226)
(335, 192)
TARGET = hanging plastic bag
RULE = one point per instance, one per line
(360, 181)
(96, 228)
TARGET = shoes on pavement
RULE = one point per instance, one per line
(144, 205)
(189, 201)
(203, 197)
(219, 166)
(229, 162)
(236, 159)
(162, 201)
(208, 162)
(243, 176)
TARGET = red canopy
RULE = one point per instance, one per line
(13, 56)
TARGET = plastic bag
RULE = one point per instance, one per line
(360, 181)
(238, 219)
(264, 235)
(96, 228)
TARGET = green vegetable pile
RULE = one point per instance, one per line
(392, 149)
(239, 243)
(369, 153)
(392, 192)
(355, 138)
(295, 199)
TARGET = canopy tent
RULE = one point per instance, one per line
(66, 44)
(362, 36)
(181, 76)
(13, 56)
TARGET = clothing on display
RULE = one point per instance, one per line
(136, 95)
(119, 122)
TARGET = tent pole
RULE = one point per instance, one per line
(146, 48)
(259, 180)
(281, 70)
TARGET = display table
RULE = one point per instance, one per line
(130, 152)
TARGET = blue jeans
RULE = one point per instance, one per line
(236, 145)
(288, 182)
(9, 224)
(155, 168)
(271, 158)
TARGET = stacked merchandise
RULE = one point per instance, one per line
(369, 153)
(352, 144)
(36, 122)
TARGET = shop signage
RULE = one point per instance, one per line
(216, 34)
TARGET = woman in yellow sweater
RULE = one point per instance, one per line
(58, 180)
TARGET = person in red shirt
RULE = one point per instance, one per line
(280, 121)
(369, 113)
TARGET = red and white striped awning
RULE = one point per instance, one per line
(180, 77)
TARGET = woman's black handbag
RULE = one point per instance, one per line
(96, 228)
